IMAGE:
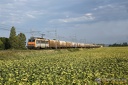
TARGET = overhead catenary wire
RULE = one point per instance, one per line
(4, 27)
(8, 28)
(47, 34)
(55, 31)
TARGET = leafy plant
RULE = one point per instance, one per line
(102, 66)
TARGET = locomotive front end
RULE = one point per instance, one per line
(31, 43)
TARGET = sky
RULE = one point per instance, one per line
(87, 21)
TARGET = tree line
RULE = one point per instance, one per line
(119, 45)
(14, 41)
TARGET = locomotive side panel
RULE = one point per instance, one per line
(41, 43)
(44, 44)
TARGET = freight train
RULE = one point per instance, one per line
(42, 43)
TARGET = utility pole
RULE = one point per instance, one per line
(55, 31)
(56, 37)
(32, 32)
(42, 35)
(85, 40)
(75, 40)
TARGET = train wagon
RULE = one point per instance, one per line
(54, 43)
(74, 45)
(63, 44)
(69, 44)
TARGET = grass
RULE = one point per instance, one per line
(64, 67)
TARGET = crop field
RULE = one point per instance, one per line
(100, 66)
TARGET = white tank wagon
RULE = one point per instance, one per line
(63, 44)
(82, 45)
(74, 45)
(69, 44)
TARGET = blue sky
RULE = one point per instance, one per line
(90, 21)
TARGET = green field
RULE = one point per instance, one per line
(100, 66)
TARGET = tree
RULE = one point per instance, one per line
(125, 44)
(13, 40)
(6, 44)
(1, 45)
(119, 45)
(21, 41)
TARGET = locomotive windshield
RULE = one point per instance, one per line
(31, 40)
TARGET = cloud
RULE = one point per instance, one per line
(20, 2)
(108, 6)
(94, 18)
(31, 16)
(90, 16)
(86, 17)
(103, 32)
(111, 11)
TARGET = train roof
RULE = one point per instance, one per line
(36, 38)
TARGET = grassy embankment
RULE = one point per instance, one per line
(64, 67)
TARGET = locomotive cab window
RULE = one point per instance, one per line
(31, 40)
(42, 41)
(38, 41)
(46, 42)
